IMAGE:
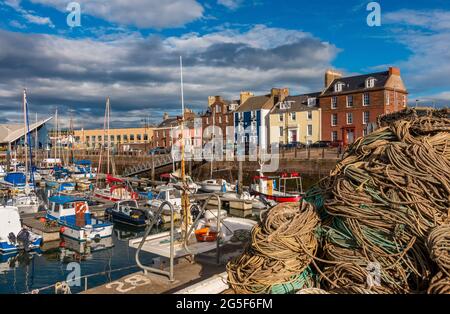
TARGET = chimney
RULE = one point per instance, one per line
(211, 100)
(330, 76)
(165, 116)
(244, 96)
(394, 71)
(279, 93)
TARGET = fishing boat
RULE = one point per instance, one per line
(27, 202)
(47, 165)
(82, 170)
(117, 190)
(75, 219)
(215, 186)
(13, 237)
(127, 212)
(267, 187)
(174, 179)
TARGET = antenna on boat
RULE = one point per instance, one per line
(184, 196)
(25, 128)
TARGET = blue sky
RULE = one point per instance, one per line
(128, 50)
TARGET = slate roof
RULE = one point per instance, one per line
(299, 103)
(257, 103)
(358, 83)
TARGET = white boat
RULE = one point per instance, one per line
(2, 171)
(26, 202)
(13, 237)
(215, 186)
(75, 219)
(46, 166)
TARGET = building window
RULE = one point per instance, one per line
(118, 138)
(365, 132)
(281, 117)
(293, 116)
(207, 121)
(125, 138)
(93, 139)
(333, 102)
(334, 119)
(131, 137)
(226, 119)
(404, 100)
(311, 102)
(309, 130)
(338, 87)
(281, 131)
(349, 118)
(310, 115)
(220, 120)
(350, 101)
(334, 136)
(139, 137)
(366, 116)
(366, 99)
(370, 82)
(87, 139)
(218, 109)
(99, 138)
(388, 98)
(146, 137)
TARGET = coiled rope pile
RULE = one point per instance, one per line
(278, 258)
(381, 202)
(377, 208)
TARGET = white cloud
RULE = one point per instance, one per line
(426, 34)
(29, 16)
(141, 74)
(230, 4)
(139, 13)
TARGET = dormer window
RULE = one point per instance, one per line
(370, 82)
(338, 87)
(312, 101)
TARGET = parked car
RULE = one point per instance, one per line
(293, 145)
(158, 151)
(321, 144)
(337, 144)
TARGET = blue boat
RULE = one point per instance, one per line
(127, 212)
(76, 221)
(13, 237)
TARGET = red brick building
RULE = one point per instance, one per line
(219, 114)
(351, 104)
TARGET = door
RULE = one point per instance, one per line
(292, 136)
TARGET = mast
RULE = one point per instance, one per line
(185, 197)
(55, 133)
(25, 129)
(108, 134)
(36, 138)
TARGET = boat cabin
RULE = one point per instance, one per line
(64, 206)
(170, 194)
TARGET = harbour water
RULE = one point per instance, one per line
(111, 257)
(25, 272)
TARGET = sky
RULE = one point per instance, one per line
(129, 50)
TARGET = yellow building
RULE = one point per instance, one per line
(91, 139)
(296, 119)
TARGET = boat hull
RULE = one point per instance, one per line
(279, 198)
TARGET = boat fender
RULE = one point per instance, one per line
(12, 238)
(62, 229)
(24, 238)
(135, 196)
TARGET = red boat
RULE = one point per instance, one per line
(266, 186)
(117, 190)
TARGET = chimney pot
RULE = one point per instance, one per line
(394, 71)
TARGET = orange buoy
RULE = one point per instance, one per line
(62, 229)
(43, 220)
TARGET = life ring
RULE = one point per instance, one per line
(80, 208)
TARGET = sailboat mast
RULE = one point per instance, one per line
(107, 133)
(184, 197)
(36, 138)
(25, 129)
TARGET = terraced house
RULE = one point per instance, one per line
(296, 120)
(351, 105)
(251, 119)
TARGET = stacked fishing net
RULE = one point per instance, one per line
(380, 204)
(278, 258)
(439, 247)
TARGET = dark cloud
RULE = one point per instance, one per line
(141, 75)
